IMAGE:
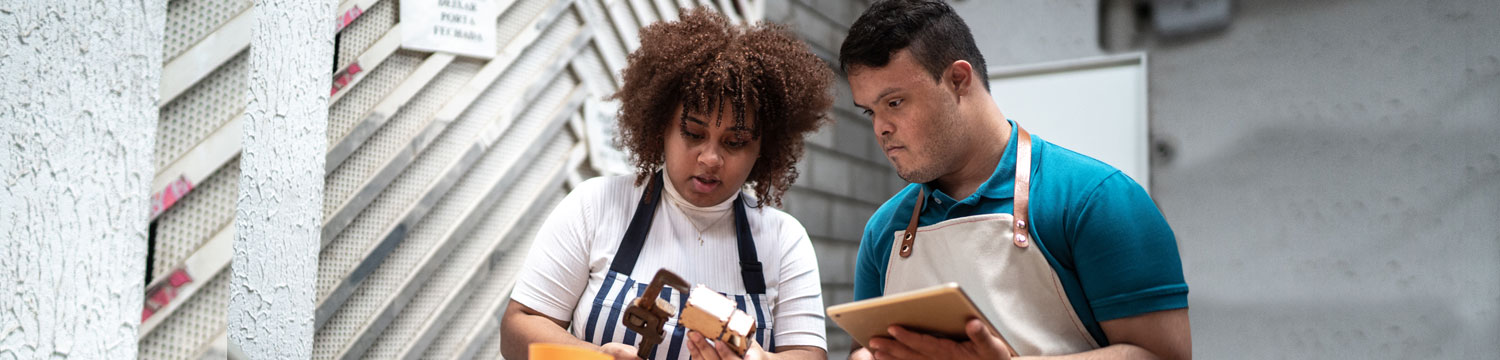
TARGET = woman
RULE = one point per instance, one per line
(707, 107)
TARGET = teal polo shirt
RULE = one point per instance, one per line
(1110, 246)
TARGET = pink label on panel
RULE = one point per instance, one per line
(161, 295)
(343, 78)
(348, 17)
(164, 200)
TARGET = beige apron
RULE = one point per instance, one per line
(990, 257)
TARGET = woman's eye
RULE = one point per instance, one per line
(735, 144)
(691, 135)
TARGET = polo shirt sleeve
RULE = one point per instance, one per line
(1125, 253)
(869, 262)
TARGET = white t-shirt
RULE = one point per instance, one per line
(576, 244)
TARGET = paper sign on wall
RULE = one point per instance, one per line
(459, 27)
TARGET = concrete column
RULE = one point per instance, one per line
(279, 212)
(77, 121)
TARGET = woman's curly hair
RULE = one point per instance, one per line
(703, 63)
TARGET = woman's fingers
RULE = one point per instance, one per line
(725, 352)
(700, 348)
(619, 351)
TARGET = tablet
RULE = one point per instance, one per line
(940, 311)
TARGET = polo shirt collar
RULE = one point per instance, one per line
(1000, 185)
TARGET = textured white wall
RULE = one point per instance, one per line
(278, 213)
(78, 119)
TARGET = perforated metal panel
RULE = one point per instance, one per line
(645, 12)
(441, 296)
(608, 42)
(590, 66)
(399, 137)
(478, 319)
(390, 286)
(490, 349)
(353, 40)
(355, 243)
(516, 18)
(190, 118)
(193, 326)
(354, 106)
(189, 21)
(667, 9)
(623, 18)
(185, 227)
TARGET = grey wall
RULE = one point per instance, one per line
(77, 118)
(278, 219)
(844, 174)
(1336, 188)
(1334, 168)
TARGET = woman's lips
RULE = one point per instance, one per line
(703, 185)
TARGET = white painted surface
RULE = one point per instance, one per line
(78, 120)
(460, 27)
(278, 218)
(1097, 108)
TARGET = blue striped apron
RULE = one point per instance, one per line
(603, 323)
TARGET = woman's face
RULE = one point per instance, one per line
(709, 158)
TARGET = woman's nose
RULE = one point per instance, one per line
(709, 157)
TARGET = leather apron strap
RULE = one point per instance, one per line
(1020, 202)
(640, 225)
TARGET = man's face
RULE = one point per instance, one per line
(916, 119)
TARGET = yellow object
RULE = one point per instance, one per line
(564, 352)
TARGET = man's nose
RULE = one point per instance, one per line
(883, 128)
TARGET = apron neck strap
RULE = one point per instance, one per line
(640, 225)
(750, 271)
(1019, 209)
(1023, 187)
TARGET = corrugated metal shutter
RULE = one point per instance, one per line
(439, 169)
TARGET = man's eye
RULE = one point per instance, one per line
(869, 113)
(895, 103)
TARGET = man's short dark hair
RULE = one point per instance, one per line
(930, 29)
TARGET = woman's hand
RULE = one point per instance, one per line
(619, 351)
(700, 348)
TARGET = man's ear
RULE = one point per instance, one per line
(959, 76)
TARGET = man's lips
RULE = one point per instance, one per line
(892, 149)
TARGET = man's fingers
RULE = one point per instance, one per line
(987, 344)
(884, 348)
(919, 342)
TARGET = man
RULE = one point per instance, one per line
(1086, 267)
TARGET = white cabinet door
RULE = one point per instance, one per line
(1095, 106)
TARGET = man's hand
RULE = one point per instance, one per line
(861, 354)
(911, 345)
(700, 348)
(619, 351)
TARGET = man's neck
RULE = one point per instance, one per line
(984, 157)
